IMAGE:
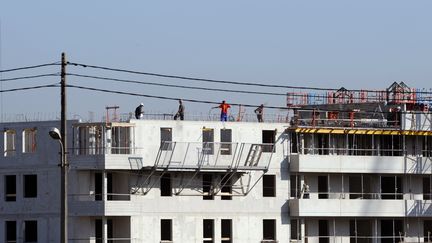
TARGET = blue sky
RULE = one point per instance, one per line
(358, 45)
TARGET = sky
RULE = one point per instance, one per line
(329, 44)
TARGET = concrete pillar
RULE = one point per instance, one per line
(104, 230)
(104, 186)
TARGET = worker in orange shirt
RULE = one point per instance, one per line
(224, 110)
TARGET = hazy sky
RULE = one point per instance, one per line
(362, 44)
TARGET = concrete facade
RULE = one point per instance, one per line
(204, 181)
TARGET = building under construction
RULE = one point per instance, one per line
(346, 166)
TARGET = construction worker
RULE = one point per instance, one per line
(180, 111)
(139, 111)
(259, 112)
(224, 110)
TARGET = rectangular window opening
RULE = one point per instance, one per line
(98, 186)
(10, 188)
(226, 188)
(295, 229)
(323, 231)
(165, 185)
(269, 229)
(226, 140)
(268, 140)
(166, 230)
(166, 138)
(9, 143)
(30, 231)
(29, 140)
(208, 141)
(11, 230)
(208, 231)
(98, 230)
(269, 186)
(30, 186)
(323, 187)
(207, 180)
(226, 230)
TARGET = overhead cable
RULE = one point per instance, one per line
(30, 88)
(224, 81)
(173, 85)
(30, 77)
(29, 67)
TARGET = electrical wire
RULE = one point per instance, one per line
(174, 86)
(311, 109)
(223, 81)
(30, 77)
(30, 88)
(161, 97)
(29, 67)
(316, 96)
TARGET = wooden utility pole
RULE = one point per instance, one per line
(64, 164)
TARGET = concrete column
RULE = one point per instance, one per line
(302, 230)
(104, 186)
(104, 230)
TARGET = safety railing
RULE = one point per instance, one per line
(349, 195)
(352, 151)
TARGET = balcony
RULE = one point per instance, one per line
(359, 208)
(360, 164)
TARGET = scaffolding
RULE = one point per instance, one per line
(243, 163)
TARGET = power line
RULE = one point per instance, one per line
(30, 88)
(164, 97)
(28, 67)
(224, 81)
(198, 79)
(316, 96)
(174, 86)
(29, 77)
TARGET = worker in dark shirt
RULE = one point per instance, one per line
(180, 111)
(139, 111)
(259, 112)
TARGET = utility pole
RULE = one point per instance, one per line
(64, 164)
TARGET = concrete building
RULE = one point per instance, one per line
(344, 171)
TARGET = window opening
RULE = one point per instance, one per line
(295, 186)
(166, 230)
(120, 140)
(427, 230)
(9, 143)
(391, 187)
(208, 231)
(30, 231)
(226, 188)
(29, 140)
(323, 231)
(208, 141)
(10, 229)
(269, 229)
(294, 143)
(207, 180)
(226, 140)
(10, 188)
(360, 231)
(98, 186)
(295, 229)
(323, 187)
(98, 230)
(109, 186)
(269, 186)
(391, 231)
(427, 188)
(226, 230)
(165, 185)
(268, 139)
(166, 138)
(30, 186)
